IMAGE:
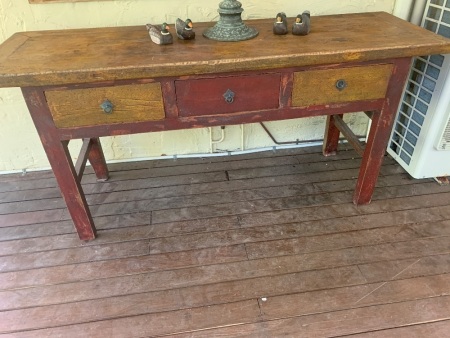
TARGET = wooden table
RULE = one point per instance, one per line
(112, 81)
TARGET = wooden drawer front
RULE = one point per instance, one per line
(206, 96)
(317, 87)
(81, 107)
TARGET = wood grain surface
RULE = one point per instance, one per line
(314, 87)
(81, 107)
(256, 245)
(84, 55)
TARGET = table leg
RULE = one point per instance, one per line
(331, 139)
(61, 162)
(379, 133)
(97, 160)
(373, 157)
(71, 190)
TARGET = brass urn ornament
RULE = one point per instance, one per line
(230, 26)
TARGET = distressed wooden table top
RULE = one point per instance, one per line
(108, 54)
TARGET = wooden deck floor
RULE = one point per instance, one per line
(261, 245)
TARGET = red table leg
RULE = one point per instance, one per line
(97, 160)
(380, 131)
(331, 140)
(373, 156)
(61, 162)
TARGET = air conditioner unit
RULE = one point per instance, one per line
(420, 139)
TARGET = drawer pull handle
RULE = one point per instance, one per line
(341, 84)
(229, 96)
(107, 107)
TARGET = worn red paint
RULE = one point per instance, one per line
(264, 97)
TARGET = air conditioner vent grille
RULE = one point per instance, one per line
(421, 85)
(414, 107)
(444, 143)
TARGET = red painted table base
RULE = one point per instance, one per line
(55, 141)
(346, 64)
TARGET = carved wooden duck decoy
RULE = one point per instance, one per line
(160, 35)
(302, 24)
(280, 25)
(184, 29)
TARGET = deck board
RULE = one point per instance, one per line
(258, 245)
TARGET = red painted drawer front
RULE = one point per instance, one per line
(206, 96)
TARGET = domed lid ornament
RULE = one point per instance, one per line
(230, 26)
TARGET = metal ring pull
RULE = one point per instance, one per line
(107, 106)
(229, 96)
(341, 84)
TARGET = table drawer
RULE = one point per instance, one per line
(224, 95)
(315, 87)
(82, 107)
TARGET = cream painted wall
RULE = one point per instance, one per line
(20, 147)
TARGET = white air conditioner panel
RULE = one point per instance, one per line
(420, 140)
(444, 142)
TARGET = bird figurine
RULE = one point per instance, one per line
(280, 25)
(160, 34)
(302, 24)
(184, 29)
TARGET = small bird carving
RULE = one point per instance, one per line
(160, 34)
(280, 25)
(302, 24)
(184, 29)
